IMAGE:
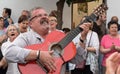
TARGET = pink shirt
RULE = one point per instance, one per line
(106, 42)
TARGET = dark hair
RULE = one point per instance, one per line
(114, 18)
(97, 17)
(111, 23)
(8, 10)
(22, 18)
(65, 30)
(53, 13)
(27, 13)
(1, 18)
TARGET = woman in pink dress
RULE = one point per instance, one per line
(110, 43)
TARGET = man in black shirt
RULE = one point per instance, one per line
(100, 28)
(99, 25)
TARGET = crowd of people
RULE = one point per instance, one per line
(95, 45)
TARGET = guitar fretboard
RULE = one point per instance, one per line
(72, 34)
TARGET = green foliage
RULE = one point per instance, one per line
(72, 1)
(91, 0)
(69, 2)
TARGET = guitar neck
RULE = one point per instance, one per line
(69, 37)
(72, 34)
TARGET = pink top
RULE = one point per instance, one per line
(106, 42)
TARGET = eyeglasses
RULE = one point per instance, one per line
(40, 15)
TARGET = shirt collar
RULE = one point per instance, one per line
(37, 35)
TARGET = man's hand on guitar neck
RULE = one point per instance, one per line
(85, 26)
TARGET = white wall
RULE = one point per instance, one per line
(18, 5)
(113, 9)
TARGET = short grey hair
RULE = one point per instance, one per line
(13, 26)
(35, 8)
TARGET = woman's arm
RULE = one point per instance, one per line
(3, 63)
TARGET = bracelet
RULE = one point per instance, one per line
(38, 55)
(81, 40)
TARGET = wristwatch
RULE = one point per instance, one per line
(83, 41)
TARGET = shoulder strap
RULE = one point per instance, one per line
(90, 39)
(89, 42)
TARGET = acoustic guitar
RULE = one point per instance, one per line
(64, 49)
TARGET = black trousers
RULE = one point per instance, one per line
(2, 71)
(86, 70)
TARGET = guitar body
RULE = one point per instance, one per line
(67, 53)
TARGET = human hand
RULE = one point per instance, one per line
(48, 60)
(3, 63)
(113, 46)
(117, 48)
(112, 63)
(118, 70)
(85, 26)
(2, 38)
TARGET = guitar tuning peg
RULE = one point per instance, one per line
(101, 12)
(96, 12)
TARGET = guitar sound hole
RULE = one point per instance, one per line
(57, 50)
